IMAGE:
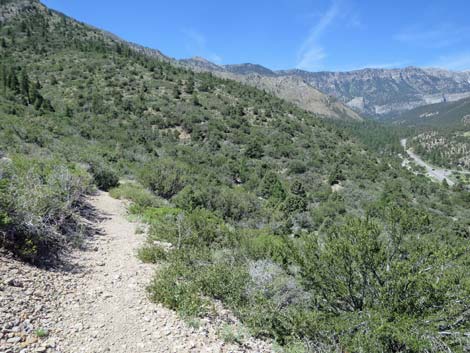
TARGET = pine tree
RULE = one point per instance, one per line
(68, 111)
(196, 101)
(176, 92)
(297, 188)
(25, 85)
(12, 81)
(38, 102)
(190, 86)
(34, 95)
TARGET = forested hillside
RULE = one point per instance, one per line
(310, 232)
(445, 115)
(442, 134)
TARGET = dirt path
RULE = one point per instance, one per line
(109, 310)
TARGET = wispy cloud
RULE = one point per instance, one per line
(194, 40)
(457, 62)
(440, 36)
(354, 21)
(311, 53)
(196, 45)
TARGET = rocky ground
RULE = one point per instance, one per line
(99, 303)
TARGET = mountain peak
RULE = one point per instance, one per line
(199, 63)
(200, 59)
(249, 68)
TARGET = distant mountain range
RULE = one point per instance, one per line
(289, 87)
(385, 91)
(337, 95)
(372, 92)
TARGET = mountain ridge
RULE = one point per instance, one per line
(373, 91)
(338, 95)
(291, 88)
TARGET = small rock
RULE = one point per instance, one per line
(14, 340)
(14, 282)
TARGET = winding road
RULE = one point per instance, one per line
(436, 173)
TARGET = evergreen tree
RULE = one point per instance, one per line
(34, 95)
(25, 85)
(196, 100)
(297, 188)
(189, 89)
(254, 150)
(176, 92)
(12, 81)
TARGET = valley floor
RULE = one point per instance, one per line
(102, 305)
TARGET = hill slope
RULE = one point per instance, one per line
(307, 235)
(446, 114)
(444, 138)
(290, 88)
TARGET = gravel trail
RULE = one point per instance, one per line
(103, 306)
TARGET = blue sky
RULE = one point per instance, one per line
(314, 35)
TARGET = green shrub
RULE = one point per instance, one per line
(182, 295)
(226, 202)
(152, 254)
(160, 215)
(195, 229)
(104, 177)
(140, 196)
(266, 246)
(166, 177)
(4, 204)
(41, 333)
(271, 187)
(231, 334)
(224, 281)
(297, 167)
(40, 202)
(294, 203)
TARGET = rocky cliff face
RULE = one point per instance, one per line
(382, 91)
(11, 8)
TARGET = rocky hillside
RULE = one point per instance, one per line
(382, 91)
(291, 88)
(299, 92)
(248, 69)
(373, 92)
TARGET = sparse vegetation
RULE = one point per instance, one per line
(311, 232)
(449, 149)
(41, 333)
(41, 201)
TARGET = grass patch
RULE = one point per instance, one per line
(141, 197)
(41, 333)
